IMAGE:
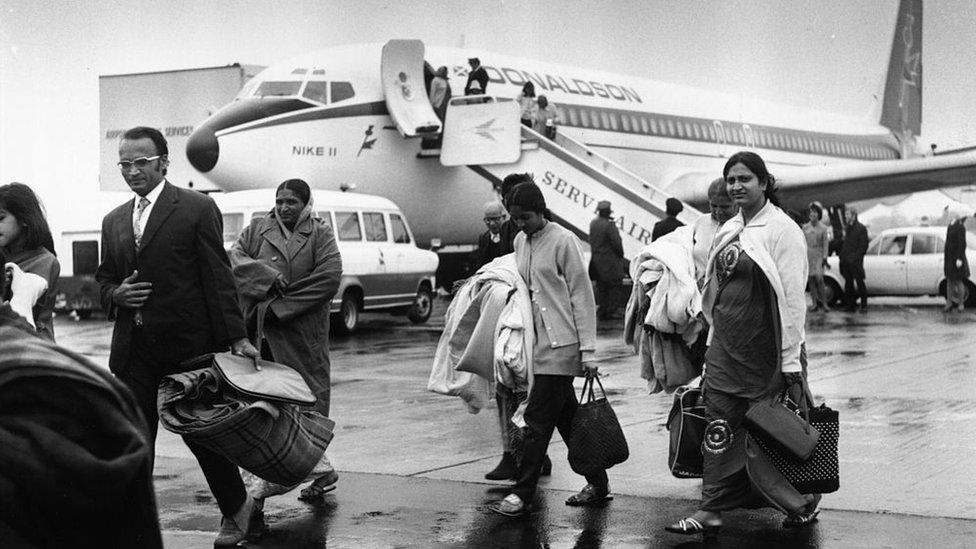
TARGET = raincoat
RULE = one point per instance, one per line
(297, 325)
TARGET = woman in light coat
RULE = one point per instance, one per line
(287, 267)
(550, 261)
(755, 303)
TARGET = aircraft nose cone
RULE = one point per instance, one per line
(202, 149)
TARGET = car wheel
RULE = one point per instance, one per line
(423, 305)
(834, 293)
(970, 299)
(347, 319)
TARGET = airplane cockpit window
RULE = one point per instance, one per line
(318, 72)
(278, 88)
(299, 71)
(341, 91)
(316, 91)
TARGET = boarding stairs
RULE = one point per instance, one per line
(485, 134)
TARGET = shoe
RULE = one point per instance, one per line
(691, 526)
(322, 485)
(246, 524)
(546, 467)
(511, 506)
(800, 520)
(589, 495)
(505, 469)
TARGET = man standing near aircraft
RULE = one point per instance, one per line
(673, 207)
(477, 78)
(607, 262)
(167, 282)
(852, 261)
(490, 242)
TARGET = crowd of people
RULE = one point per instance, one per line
(173, 294)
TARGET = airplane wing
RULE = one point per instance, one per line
(852, 181)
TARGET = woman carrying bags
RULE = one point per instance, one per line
(550, 260)
(755, 303)
(287, 267)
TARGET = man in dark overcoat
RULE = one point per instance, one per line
(166, 281)
(852, 260)
(607, 259)
(956, 265)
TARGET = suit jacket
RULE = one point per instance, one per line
(664, 227)
(607, 259)
(479, 75)
(193, 308)
(852, 251)
(488, 250)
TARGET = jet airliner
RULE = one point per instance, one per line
(325, 117)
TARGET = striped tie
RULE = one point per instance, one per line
(137, 220)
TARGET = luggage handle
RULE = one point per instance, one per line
(803, 406)
(588, 389)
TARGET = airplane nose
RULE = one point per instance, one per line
(202, 149)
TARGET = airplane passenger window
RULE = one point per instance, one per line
(625, 123)
(375, 227)
(584, 118)
(399, 228)
(613, 120)
(274, 88)
(233, 225)
(573, 117)
(317, 91)
(654, 126)
(324, 216)
(923, 244)
(605, 119)
(670, 127)
(348, 226)
(644, 126)
(341, 91)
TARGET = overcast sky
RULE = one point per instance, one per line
(825, 54)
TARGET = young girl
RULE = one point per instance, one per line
(550, 260)
(26, 239)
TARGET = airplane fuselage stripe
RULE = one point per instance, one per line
(663, 126)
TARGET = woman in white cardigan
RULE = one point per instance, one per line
(754, 302)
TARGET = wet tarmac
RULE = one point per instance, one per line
(412, 462)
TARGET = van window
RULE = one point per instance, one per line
(233, 225)
(324, 216)
(375, 227)
(84, 257)
(399, 228)
(348, 226)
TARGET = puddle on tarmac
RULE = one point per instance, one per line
(822, 354)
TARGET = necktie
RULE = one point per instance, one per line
(137, 220)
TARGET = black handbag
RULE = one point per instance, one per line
(686, 425)
(596, 441)
(820, 473)
(782, 426)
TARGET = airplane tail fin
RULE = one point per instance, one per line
(901, 111)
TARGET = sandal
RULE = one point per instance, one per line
(511, 506)
(800, 520)
(589, 495)
(691, 526)
(317, 490)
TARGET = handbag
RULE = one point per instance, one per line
(596, 441)
(820, 473)
(275, 382)
(686, 425)
(777, 424)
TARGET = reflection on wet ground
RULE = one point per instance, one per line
(412, 462)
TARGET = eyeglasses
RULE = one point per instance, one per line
(494, 219)
(126, 165)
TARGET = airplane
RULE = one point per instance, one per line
(326, 117)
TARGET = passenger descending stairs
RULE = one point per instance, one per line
(574, 178)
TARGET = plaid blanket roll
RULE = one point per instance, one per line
(277, 442)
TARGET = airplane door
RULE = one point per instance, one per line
(402, 74)
(481, 129)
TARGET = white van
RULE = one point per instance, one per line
(382, 268)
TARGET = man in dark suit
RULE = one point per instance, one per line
(852, 252)
(477, 79)
(490, 242)
(607, 260)
(672, 207)
(956, 265)
(167, 282)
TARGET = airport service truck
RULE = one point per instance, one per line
(173, 101)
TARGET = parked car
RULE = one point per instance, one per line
(382, 267)
(904, 262)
